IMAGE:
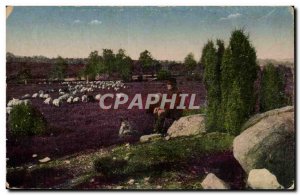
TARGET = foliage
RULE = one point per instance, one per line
(109, 166)
(25, 120)
(272, 89)
(109, 58)
(59, 69)
(163, 75)
(211, 59)
(147, 60)
(239, 72)
(24, 75)
(190, 62)
(124, 65)
(94, 65)
(109, 63)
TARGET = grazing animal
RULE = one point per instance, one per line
(76, 99)
(26, 96)
(48, 100)
(56, 102)
(15, 102)
(126, 128)
(84, 98)
(45, 96)
(35, 95)
(64, 97)
(70, 99)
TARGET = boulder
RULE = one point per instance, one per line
(268, 142)
(214, 183)
(151, 137)
(262, 179)
(188, 125)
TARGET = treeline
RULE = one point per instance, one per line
(113, 65)
(229, 77)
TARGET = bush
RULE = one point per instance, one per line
(195, 77)
(272, 89)
(26, 120)
(109, 166)
(163, 75)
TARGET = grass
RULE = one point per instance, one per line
(156, 157)
(163, 162)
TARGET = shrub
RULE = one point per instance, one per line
(163, 75)
(109, 166)
(26, 120)
(272, 89)
(195, 77)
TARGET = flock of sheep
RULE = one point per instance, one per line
(73, 92)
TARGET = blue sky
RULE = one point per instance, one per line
(169, 33)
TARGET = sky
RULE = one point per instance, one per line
(169, 33)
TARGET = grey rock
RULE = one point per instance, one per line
(188, 125)
(211, 181)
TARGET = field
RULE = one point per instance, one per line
(83, 127)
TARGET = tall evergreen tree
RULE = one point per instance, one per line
(239, 72)
(272, 89)
(211, 58)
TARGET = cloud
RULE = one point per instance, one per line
(76, 21)
(95, 22)
(231, 16)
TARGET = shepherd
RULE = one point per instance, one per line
(165, 115)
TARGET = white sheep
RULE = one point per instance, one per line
(15, 102)
(35, 95)
(70, 99)
(48, 100)
(84, 98)
(25, 96)
(76, 99)
(41, 95)
(56, 102)
(64, 97)
(45, 96)
(61, 93)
